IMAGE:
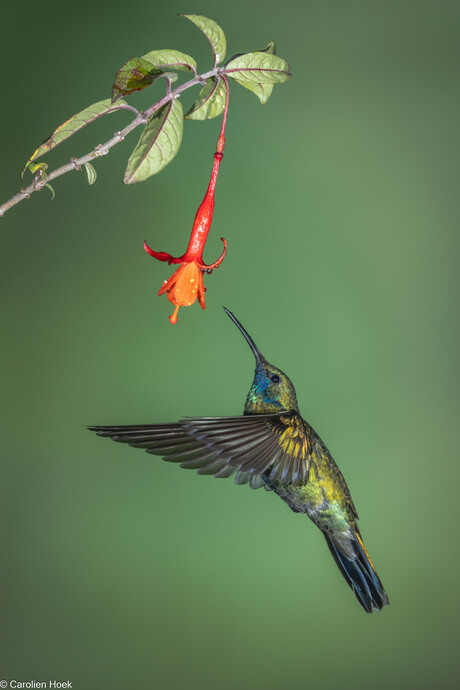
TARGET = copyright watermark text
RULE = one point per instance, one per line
(32, 684)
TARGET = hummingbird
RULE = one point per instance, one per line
(270, 446)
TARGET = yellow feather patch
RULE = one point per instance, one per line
(365, 551)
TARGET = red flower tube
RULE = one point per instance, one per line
(186, 283)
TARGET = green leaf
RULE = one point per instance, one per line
(170, 58)
(134, 75)
(33, 167)
(53, 193)
(159, 143)
(210, 102)
(74, 124)
(258, 68)
(213, 33)
(172, 76)
(91, 173)
(262, 91)
(269, 48)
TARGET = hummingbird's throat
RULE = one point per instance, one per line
(258, 403)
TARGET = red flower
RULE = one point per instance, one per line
(186, 284)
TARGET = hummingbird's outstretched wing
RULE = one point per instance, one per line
(249, 445)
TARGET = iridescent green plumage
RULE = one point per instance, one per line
(271, 445)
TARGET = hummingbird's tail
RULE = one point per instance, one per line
(359, 573)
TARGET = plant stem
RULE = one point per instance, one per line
(221, 140)
(40, 179)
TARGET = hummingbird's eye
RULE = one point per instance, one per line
(275, 378)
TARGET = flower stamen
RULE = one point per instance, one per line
(173, 317)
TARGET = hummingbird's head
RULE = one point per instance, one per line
(271, 391)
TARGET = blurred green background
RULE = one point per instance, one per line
(339, 200)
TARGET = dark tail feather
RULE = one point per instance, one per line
(360, 575)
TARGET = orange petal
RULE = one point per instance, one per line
(169, 284)
(183, 287)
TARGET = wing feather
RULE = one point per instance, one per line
(250, 445)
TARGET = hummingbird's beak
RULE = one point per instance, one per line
(257, 353)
